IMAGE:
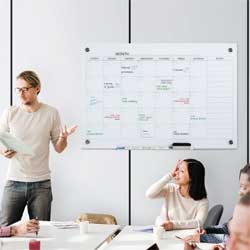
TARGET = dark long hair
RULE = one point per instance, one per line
(196, 170)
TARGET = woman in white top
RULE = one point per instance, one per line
(185, 201)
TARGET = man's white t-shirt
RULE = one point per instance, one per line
(36, 129)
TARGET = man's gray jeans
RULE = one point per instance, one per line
(16, 195)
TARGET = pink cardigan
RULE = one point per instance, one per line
(4, 231)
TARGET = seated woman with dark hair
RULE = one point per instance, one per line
(185, 201)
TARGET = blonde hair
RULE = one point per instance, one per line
(30, 77)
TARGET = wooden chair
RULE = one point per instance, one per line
(98, 218)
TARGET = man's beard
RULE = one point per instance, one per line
(28, 103)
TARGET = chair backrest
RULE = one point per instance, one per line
(214, 215)
(97, 218)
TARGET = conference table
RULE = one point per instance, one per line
(142, 237)
(62, 236)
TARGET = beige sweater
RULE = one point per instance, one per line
(183, 212)
(36, 129)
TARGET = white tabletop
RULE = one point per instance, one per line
(52, 237)
(135, 238)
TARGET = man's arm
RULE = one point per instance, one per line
(61, 143)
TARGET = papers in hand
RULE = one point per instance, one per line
(8, 141)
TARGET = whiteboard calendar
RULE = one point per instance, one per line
(149, 96)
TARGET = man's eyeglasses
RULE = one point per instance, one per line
(23, 89)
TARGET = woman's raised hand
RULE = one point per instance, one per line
(176, 168)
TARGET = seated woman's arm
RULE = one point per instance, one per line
(219, 229)
(213, 238)
(30, 226)
(159, 189)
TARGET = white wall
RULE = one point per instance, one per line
(192, 21)
(5, 74)
(49, 36)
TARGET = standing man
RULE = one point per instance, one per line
(28, 178)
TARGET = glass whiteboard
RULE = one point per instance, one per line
(154, 96)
